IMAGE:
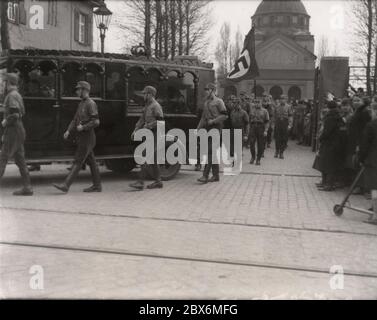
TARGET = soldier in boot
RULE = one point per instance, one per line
(213, 117)
(83, 124)
(283, 117)
(148, 120)
(259, 123)
(14, 134)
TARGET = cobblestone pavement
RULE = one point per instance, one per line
(267, 233)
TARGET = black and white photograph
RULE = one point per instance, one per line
(215, 150)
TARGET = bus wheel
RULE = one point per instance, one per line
(120, 165)
(167, 171)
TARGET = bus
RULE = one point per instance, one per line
(47, 84)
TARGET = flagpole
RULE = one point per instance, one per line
(255, 80)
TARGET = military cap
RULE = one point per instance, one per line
(149, 90)
(242, 93)
(232, 97)
(12, 78)
(83, 85)
(210, 86)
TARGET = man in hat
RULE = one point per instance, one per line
(14, 134)
(283, 117)
(83, 124)
(259, 124)
(267, 103)
(245, 101)
(239, 120)
(151, 115)
(213, 117)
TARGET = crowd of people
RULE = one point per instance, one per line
(347, 142)
(263, 119)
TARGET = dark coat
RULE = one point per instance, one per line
(368, 155)
(332, 146)
(356, 128)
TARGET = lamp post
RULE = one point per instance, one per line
(102, 17)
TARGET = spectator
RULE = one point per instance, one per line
(330, 152)
(356, 127)
(368, 157)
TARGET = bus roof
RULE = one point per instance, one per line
(106, 57)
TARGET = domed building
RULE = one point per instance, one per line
(284, 52)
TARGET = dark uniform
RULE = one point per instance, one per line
(14, 136)
(151, 114)
(270, 109)
(259, 120)
(283, 119)
(214, 110)
(239, 120)
(87, 116)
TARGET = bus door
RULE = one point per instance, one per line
(38, 88)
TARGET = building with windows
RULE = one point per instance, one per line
(51, 24)
(284, 52)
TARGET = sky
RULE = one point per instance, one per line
(329, 18)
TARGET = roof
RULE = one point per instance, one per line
(286, 40)
(91, 54)
(282, 6)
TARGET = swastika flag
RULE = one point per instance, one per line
(245, 66)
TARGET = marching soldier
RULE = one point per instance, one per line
(148, 120)
(83, 124)
(268, 105)
(245, 101)
(213, 117)
(259, 124)
(239, 120)
(283, 117)
(14, 134)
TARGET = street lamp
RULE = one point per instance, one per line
(102, 15)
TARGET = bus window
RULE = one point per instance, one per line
(93, 75)
(135, 87)
(189, 92)
(23, 69)
(180, 93)
(72, 73)
(115, 85)
(155, 79)
(40, 81)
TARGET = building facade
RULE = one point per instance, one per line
(52, 24)
(284, 52)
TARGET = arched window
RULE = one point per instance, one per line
(294, 93)
(71, 74)
(23, 68)
(115, 83)
(276, 92)
(93, 75)
(136, 85)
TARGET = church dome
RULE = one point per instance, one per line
(267, 7)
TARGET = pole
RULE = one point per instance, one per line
(255, 88)
(102, 35)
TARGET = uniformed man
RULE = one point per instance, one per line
(269, 106)
(245, 101)
(148, 120)
(213, 117)
(239, 120)
(259, 123)
(82, 126)
(283, 117)
(14, 134)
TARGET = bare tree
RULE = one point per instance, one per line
(166, 22)
(223, 47)
(364, 30)
(322, 48)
